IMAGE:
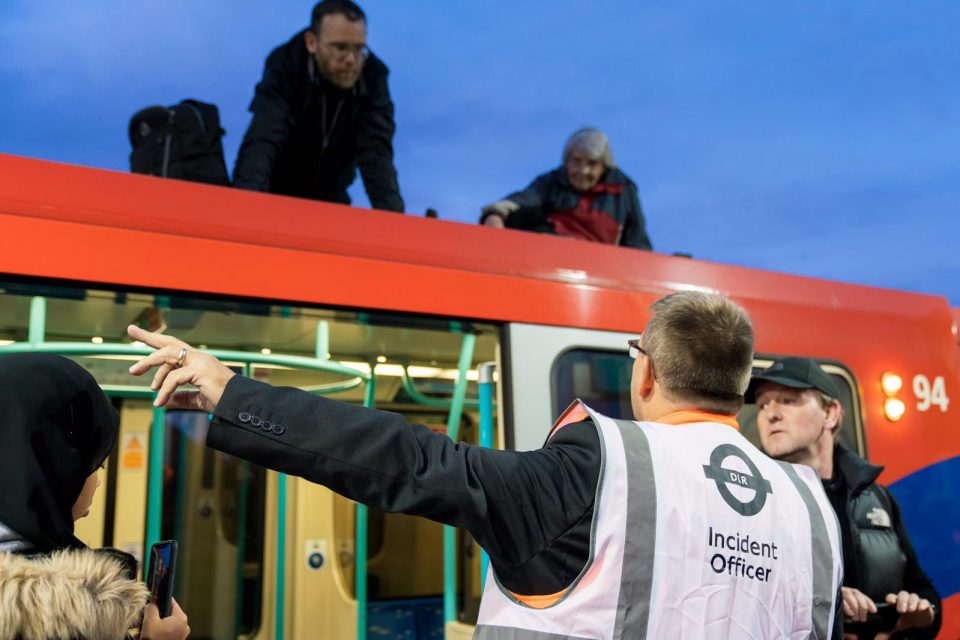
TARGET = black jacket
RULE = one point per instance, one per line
(552, 193)
(877, 555)
(308, 137)
(531, 511)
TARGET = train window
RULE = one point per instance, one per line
(601, 378)
(224, 510)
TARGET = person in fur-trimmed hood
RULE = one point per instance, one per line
(56, 430)
(68, 594)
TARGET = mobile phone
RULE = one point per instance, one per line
(884, 620)
(162, 568)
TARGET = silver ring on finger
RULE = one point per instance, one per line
(181, 356)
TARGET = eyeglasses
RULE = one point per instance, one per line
(341, 50)
(634, 350)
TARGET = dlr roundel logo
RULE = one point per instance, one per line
(724, 477)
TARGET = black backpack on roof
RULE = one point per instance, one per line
(182, 141)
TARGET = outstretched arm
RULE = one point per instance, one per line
(515, 504)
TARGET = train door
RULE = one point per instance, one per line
(549, 367)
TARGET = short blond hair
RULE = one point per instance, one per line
(701, 348)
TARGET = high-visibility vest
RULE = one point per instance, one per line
(696, 535)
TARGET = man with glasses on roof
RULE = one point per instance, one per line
(671, 525)
(321, 111)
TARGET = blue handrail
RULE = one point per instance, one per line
(486, 388)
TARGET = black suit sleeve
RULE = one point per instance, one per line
(268, 129)
(375, 129)
(515, 504)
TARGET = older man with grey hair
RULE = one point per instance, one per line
(586, 198)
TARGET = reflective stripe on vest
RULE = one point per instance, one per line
(825, 565)
(637, 552)
(675, 552)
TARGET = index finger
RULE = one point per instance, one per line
(155, 340)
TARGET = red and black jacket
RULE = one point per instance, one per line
(609, 213)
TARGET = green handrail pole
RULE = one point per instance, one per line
(38, 320)
(334, 387)
(460, 388)
(449, 573)
(278, 627)
(360, 543)
(485, 385)
(323, 340)
(224, 355)
(453, 431)
(155, 478)
(427, 401)
(281, 580)
(243, 470)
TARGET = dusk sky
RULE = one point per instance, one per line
(815, 137)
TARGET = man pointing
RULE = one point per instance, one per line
(673, 526)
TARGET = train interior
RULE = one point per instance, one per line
(223, 511)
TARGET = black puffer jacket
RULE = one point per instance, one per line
(308, 137)
(878, 557)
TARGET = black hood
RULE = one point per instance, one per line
(56, 428)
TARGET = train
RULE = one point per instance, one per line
(483, 334)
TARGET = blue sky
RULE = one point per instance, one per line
(815, 137)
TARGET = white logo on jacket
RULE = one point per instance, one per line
(879, 518)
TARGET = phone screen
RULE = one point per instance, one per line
(163, 562)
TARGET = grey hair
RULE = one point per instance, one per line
(592, 143)
(701, 349)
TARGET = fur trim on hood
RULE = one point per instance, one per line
(76, 593)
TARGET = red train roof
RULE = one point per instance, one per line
(177, 222)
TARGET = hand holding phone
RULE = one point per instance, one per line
(173, 627)
(162, 568)
(884, 620)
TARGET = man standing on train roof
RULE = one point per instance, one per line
(674, 526)
(799, 416)
(322, 110)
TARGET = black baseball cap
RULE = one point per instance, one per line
(796, 373)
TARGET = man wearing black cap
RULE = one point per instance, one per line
(798, 416)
